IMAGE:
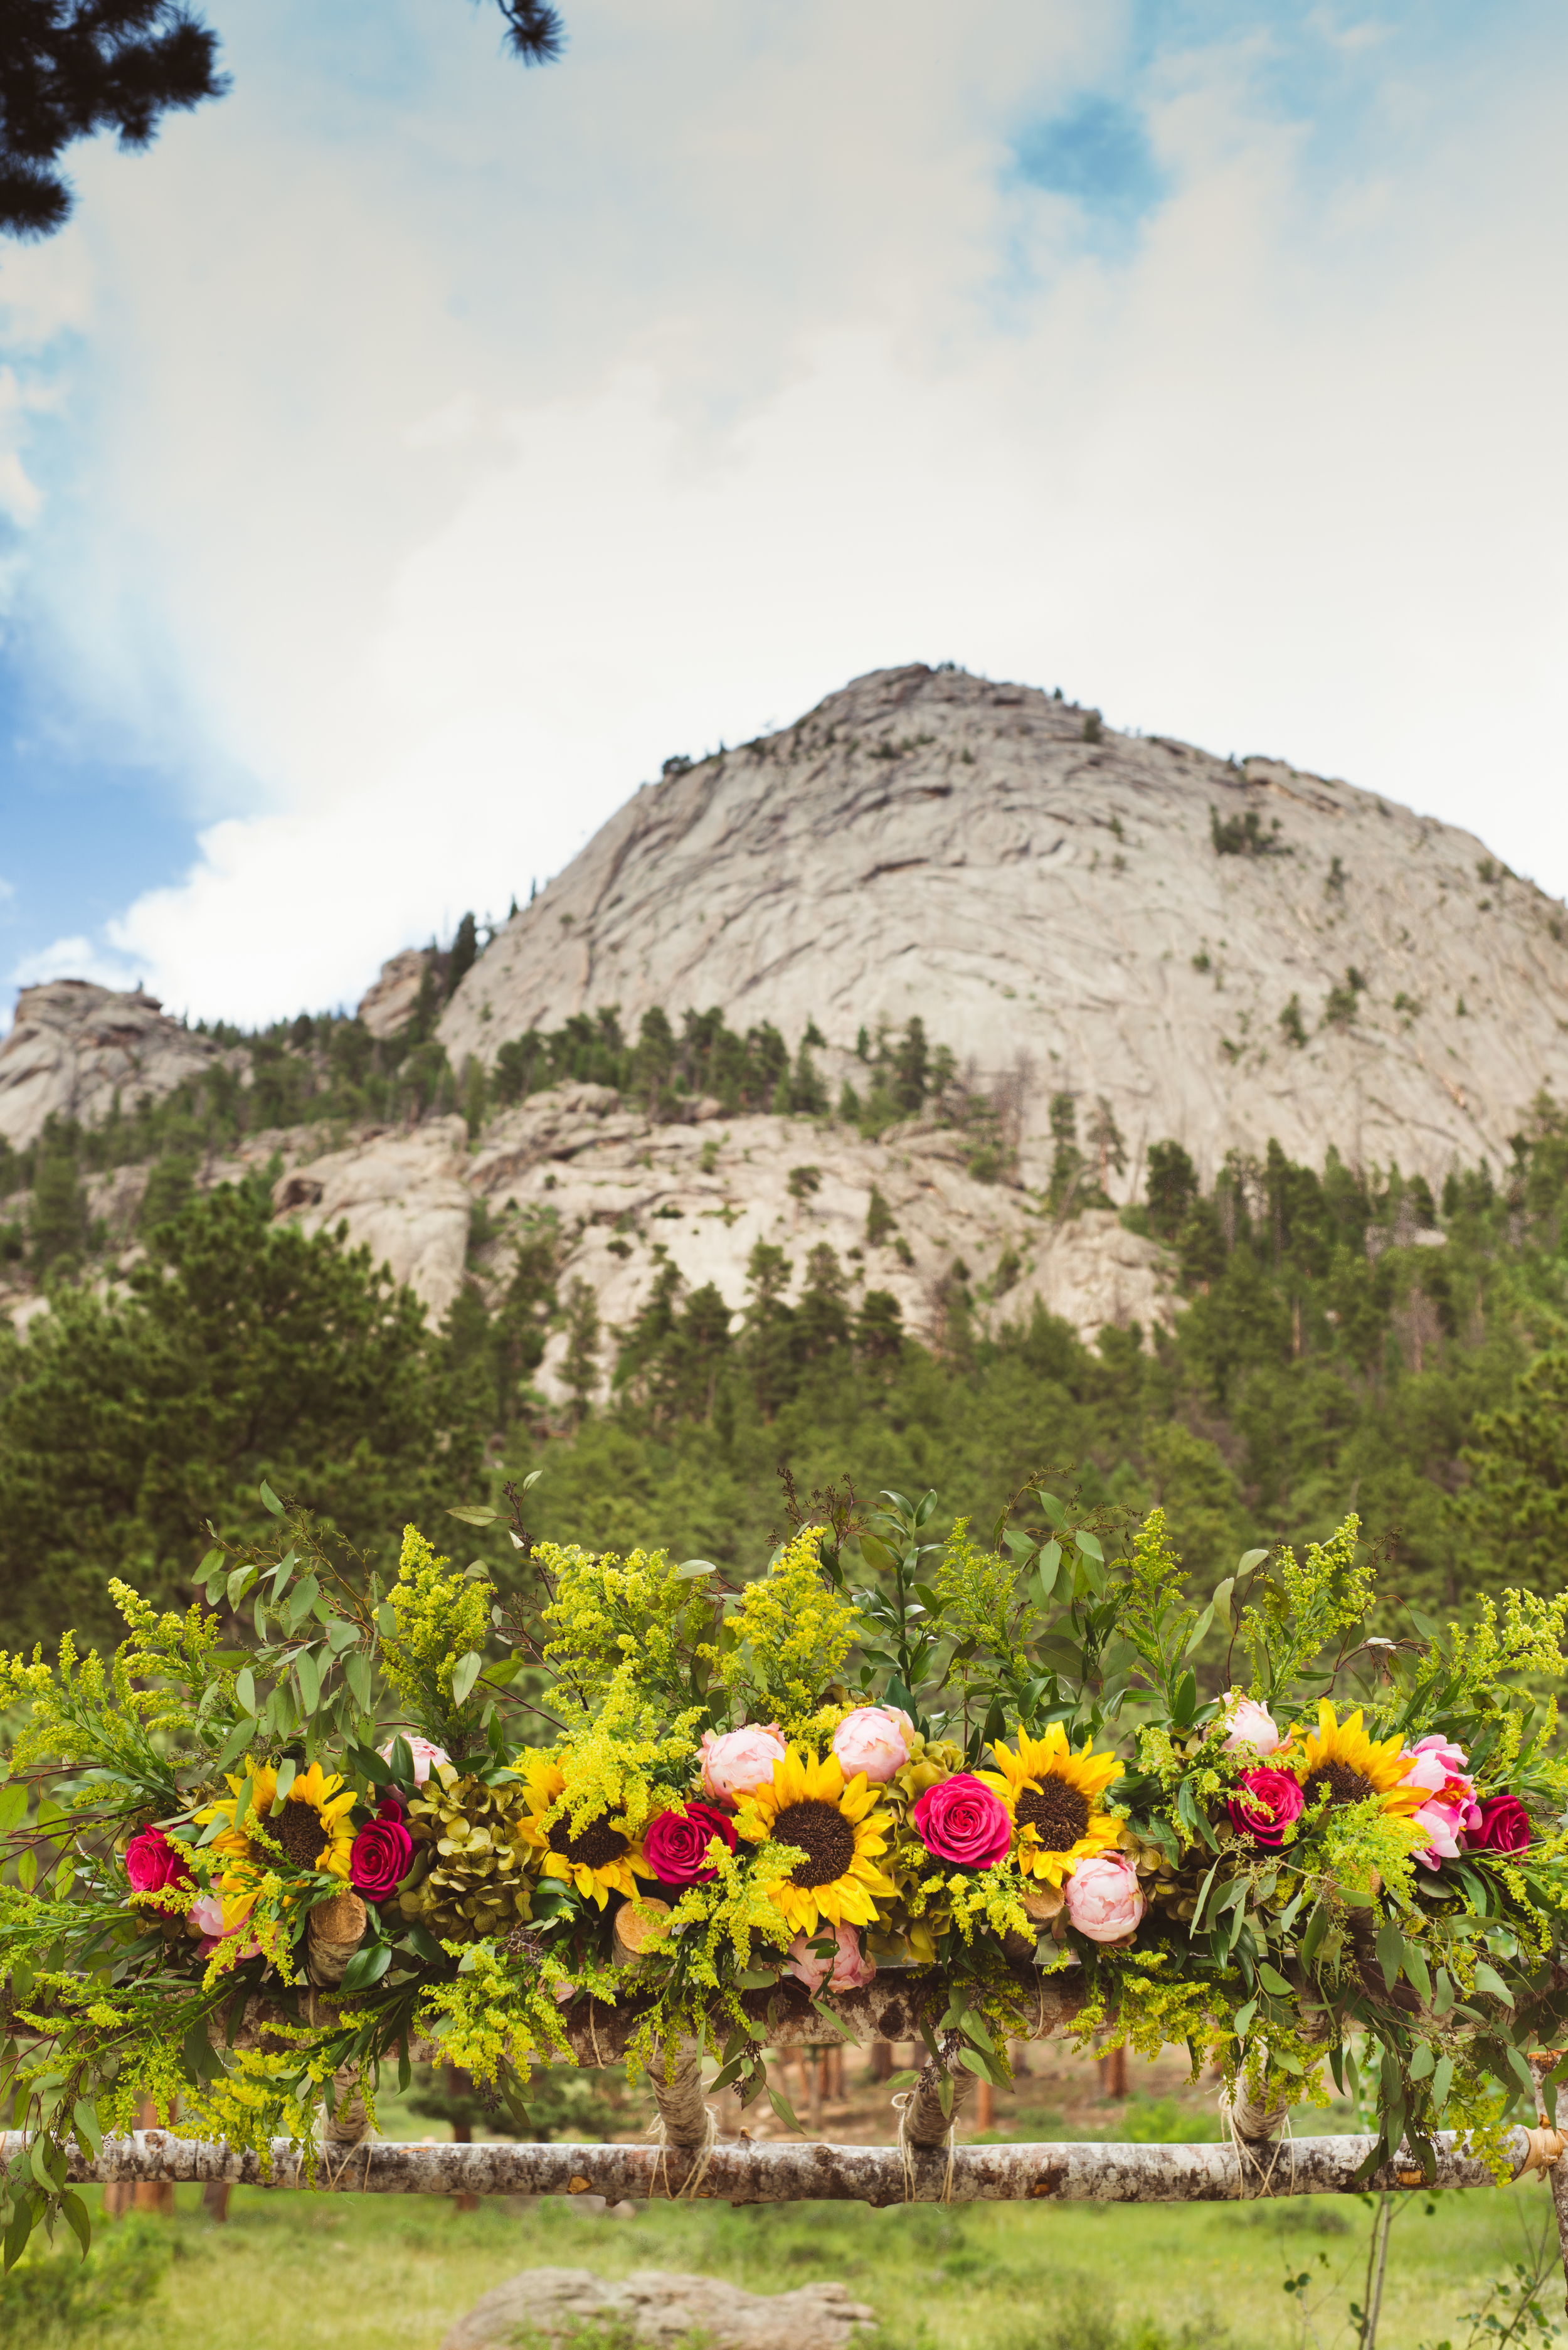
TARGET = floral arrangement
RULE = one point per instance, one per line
(638, 1783)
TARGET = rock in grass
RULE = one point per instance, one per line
(654, 2307)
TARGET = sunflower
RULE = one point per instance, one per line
(1340, 1758)
(835, 1825)
(311, 1827)
(1053, 1796)
(599, 1858)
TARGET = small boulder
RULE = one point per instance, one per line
(661, 2310)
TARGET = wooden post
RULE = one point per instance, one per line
(1541, 2065)
(985, 2107)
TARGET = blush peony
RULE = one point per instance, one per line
(1248, 1723)
(874, 1738)
(738, 1761)
(676, 1843)
(1265, 1805)
(153, 1860)
(207, 1918)
(961, 1821)
(425, 1755)
(1102, 1899)
(846, 1969)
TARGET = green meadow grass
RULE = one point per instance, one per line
(295, 2271)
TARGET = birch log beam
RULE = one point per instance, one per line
(738, 2171)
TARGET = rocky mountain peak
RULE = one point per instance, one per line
(1216, 952)
(73, 1046)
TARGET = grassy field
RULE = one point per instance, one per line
(302, 2273)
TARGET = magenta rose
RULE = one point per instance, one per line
(1504, 1827)
(676, 1843)
(1265, 1805)
(381, 1856)
(960, 1820)
(153, 1860)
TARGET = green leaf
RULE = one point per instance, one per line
(1195, 1637)
(974, 2062)
(387, 1620)
(1061, 1656)
(1184, 1703)
(1203, 1896)
(1050, 1560)
(288, 1772)
(879, 1558)
(12, 1805)
(423, 1944)
(464, 1673)
(1242, 2018)
(1441, 2080)
(234, 1744)
(756, 1978)
(1422, 2062)
(1089, 1544)
(245, 1689)
(727, 2073)
(75, 2216)
(974, 2027)
(1248, 1560)
(269, 1499)
(1390, 1951)
(240, 1582)
(84, 2115)
(356, 1673)
(1274, 1982)
(692, 1570)
(1018, 1543)
(1221, 1601)
(781, 2104)
(1316, 1928)
(1416, 1968)
(367, 1966)
(1487, 1979)
(307, 1675)
(945, 2092)
(473, 1514)
(1052, 1509)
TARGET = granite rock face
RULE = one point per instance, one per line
(661, 2310)
(388, 1003)
(401, 1194)
(1057, 910)
(74, 1045)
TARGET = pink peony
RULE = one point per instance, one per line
(381, 1854)
(153, 1860)
(425, 1756)
(1248, 1723)
(733, 1764)
(1265, 1805)
(207, 1915)
(960, 1820)
(846, 1970)
(676, 1843)
(874, 1738)
(1103, 1898)
(1503, 1826)
(1438, 1767)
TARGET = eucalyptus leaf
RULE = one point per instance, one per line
(464, 1673)
(269, 1499)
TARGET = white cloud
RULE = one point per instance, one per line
(75, 958)
(453, 461)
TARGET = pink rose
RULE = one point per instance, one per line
(381, 1854)
(960, 1820)
(846, 1970)
(1438, 1767)
(874, 1738)
(1103, 1898)
(206, 1916)
(1265, 1805)
(153, 1860)
(1249, 1724)
(677, 1841)
(740, 1760)
(1503, 1826)
(425, 1756)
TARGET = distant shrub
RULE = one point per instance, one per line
(1243, 836)
(879, 1219)
(1291, 1025)
(1094, 726)
(59, 2293)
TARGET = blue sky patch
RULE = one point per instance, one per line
(1099, 154)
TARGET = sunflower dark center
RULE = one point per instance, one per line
(299, 1829)
(1057, 1812)
(1345, 1785)
(824, 1835)
(595, 1846)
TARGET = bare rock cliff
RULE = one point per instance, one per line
(1125, 917)
(74, 1045)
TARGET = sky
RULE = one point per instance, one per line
(410, 451)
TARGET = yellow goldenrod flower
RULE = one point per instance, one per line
(839, 1829)
(1053, 1796)
(599, 1858)
(1339, 1757)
